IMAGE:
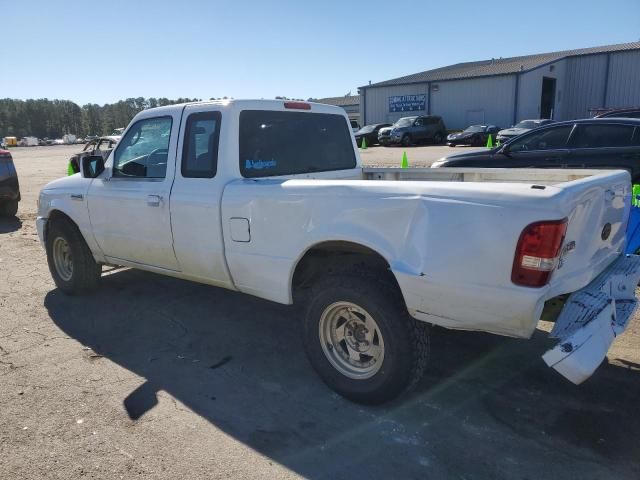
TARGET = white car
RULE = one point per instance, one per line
(269, 198)
(520, 128)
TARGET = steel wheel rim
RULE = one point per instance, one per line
(351, 340)
(62, 259)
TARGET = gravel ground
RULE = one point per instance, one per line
(154, 377)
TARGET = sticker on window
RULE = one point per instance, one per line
(259, 164)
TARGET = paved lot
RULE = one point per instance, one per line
(153, 377)
(418, 156)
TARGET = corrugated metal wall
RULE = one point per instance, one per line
(459, 102)
(623, 89)
(584, 85)
(378, 102)
(530, 91)
(479, 100)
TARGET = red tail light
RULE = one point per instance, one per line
(537, 253)
(297, 105)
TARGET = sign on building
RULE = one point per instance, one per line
(407, 103)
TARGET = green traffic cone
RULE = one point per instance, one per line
(635, 195)
(490, 142)
(363, 143)
(405, 162)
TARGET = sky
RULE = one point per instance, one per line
(104, 51)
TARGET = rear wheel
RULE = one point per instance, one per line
(72, 266)
(437, 138)
(406, 141)
(8, 208)
(360, 339)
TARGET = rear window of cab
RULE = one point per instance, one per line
(276, 143)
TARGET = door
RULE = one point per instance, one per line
(129, 202)
(544, 148)
(419, 129)
(196, 196)
(548, 97)
(605, 145)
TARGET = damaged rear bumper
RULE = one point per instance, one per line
(591, 319)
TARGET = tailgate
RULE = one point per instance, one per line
(597, 209)
(592, 318)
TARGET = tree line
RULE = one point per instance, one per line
(44, 118)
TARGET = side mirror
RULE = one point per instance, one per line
(92, 166)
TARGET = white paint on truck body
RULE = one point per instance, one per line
(448, 235)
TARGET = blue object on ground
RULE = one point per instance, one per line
(633, 230)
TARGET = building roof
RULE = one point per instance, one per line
(500, 66)
(345, 101)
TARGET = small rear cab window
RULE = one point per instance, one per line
(276, 143)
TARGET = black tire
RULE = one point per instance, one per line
(85, 272)
(437, 138)
(406, 341)
(8, 208)
(406, 141)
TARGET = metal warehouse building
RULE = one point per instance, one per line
(559, 85)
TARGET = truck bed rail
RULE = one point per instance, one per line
(507, 175)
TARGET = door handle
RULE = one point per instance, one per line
(154, 200)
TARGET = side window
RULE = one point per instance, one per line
(419, 122)
(200, 149)
(143, 151)
(598, 136)
(548, 139)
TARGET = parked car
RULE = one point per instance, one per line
(621, 113)
(9, 186)
(10, 141)
(590, 143)
(370, 133)
(28, 142)
(384, 135)
(475, 135)
(98, 146)
(373, 261)
(520, 128)
(410, 130)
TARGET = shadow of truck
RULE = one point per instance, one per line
(488, 407)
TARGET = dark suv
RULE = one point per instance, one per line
(9, 187)
(410, 130)
(590, 143)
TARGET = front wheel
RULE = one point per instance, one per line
(72, 266)
(406, 141)
(360, 339)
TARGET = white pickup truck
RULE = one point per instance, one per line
(269, 198)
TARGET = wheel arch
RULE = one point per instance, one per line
(334, 256)
(56, 214)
